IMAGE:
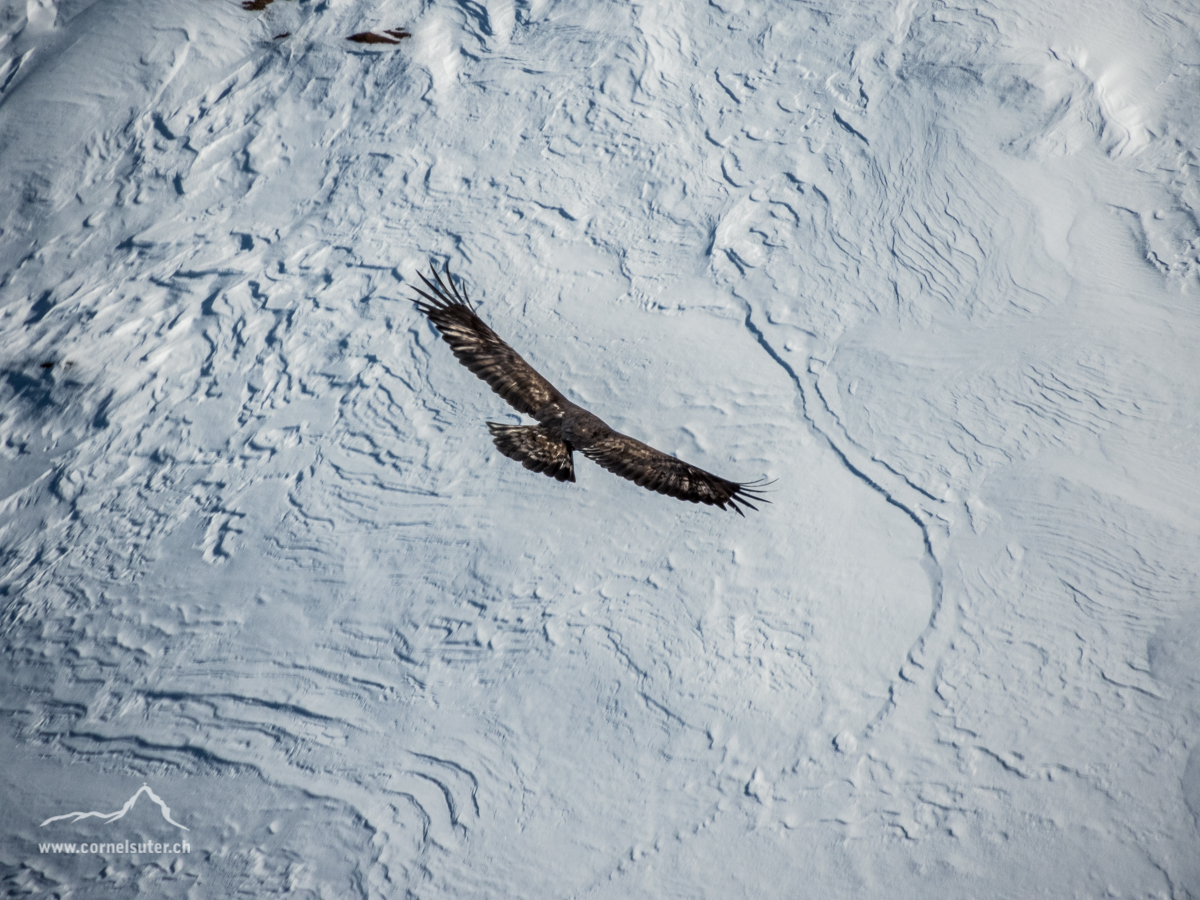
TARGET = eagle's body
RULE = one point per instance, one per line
(563, 427)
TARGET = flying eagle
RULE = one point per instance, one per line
(562, 426)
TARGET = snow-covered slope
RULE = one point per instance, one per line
(933, 268)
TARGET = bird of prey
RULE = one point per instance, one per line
(563, 427)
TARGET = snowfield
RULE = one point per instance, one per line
(933, 267)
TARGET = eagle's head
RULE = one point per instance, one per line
(581, 429)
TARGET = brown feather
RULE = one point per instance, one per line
(658, 471)
(481, 350)
(535, 447)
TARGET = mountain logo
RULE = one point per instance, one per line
(120, 813)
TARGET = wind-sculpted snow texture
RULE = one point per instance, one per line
(935, 268)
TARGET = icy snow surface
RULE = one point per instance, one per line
(931, 266)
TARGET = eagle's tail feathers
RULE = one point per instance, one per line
(534, 447)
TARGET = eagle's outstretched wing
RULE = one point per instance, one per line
(656, 471)
(480, 349)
